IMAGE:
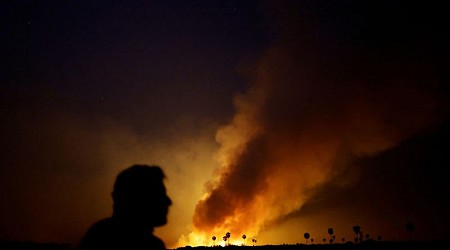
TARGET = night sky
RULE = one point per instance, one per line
(269, 118)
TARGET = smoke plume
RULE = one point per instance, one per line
(315, 106)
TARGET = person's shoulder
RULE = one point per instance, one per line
(106, 222)
(103, 224)
(155, 243)
(97, 233)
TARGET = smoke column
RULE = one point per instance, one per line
(312, 110)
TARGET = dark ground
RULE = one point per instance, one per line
(29, 245)
(367, 245)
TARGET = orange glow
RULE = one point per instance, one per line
(198, 238)
(269, 120)
(279, 151)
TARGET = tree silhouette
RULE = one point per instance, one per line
(306, 235)
(214, 240)
(343, 239)
(324, 240)
(356, 230)
(228, 235)
(225, 239)
(312, 240)
(330, 231)
(244, 237)
(410, 229)
(254, 241)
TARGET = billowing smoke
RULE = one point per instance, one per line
(316, 105)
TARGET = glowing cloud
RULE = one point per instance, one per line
(298, 128)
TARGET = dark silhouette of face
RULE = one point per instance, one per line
(140, 196)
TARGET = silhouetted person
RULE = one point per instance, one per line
(140, 204)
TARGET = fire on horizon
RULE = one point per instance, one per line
(271, 119)
(306, 130)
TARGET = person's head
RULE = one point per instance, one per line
(140, 197)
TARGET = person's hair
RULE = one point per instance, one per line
(131, 182)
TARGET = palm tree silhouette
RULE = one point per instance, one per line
(228, 237)
(306, 235)
(356, 230)
(254, 242)
(410, 229)
(330, 231)
(214, 240)
(225, 239)
(244, 237)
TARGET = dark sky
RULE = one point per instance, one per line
(327, 114)
(130, 59)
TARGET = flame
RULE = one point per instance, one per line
(299, 129)
(199, 238)
(194, 239)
